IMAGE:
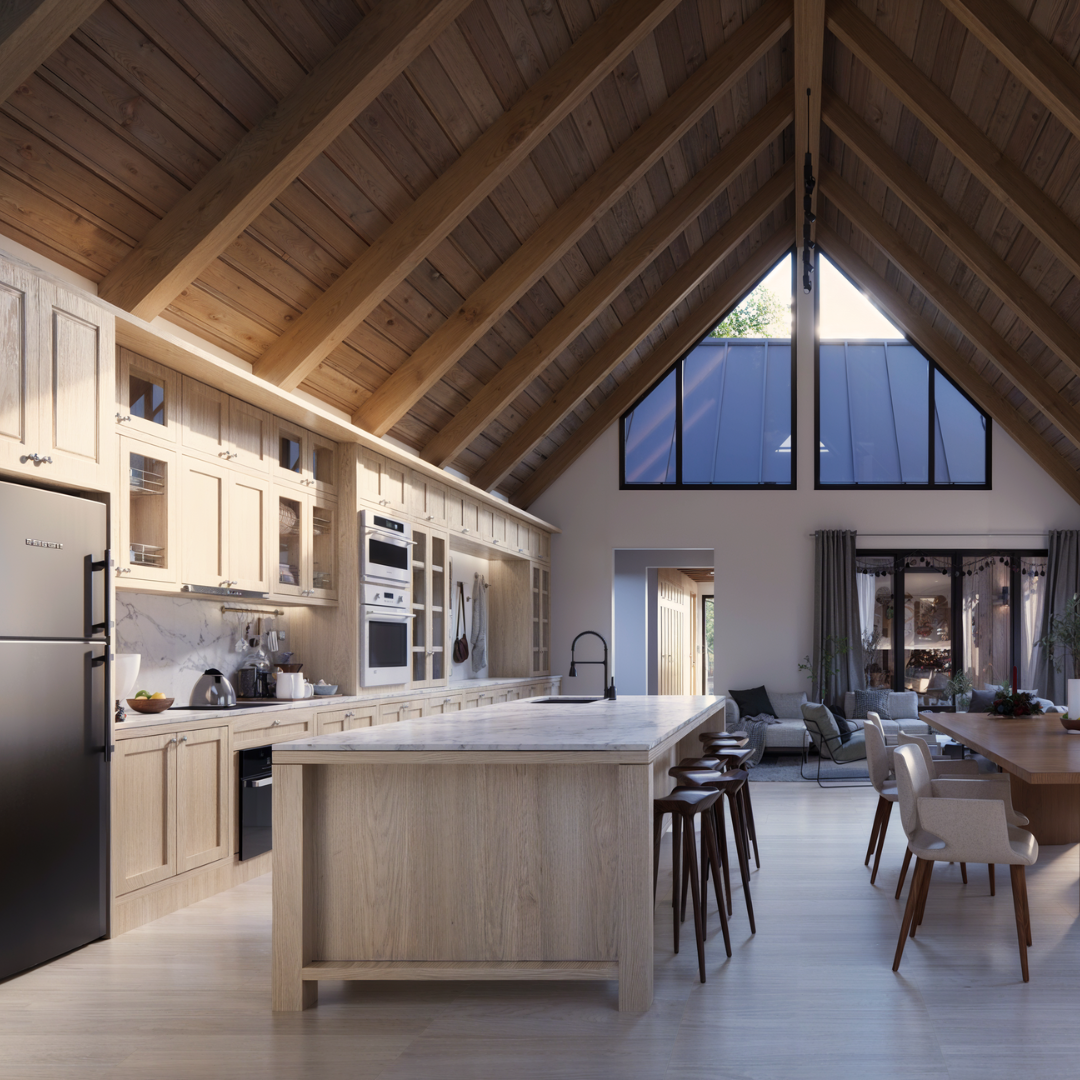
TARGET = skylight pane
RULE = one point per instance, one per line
(909, 374)
(834, 454)
(649, 437)
(776, 442)
(960, 431)
(738, 444)
(703, 385)
(873, 424)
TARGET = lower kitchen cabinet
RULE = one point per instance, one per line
(355, 716)
(437, 704)
(263, 729)
(171, 805)
(390, 712)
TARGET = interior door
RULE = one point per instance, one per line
(675, 633)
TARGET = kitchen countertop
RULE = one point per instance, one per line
(172, 717)
(630, 724)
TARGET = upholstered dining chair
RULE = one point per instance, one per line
(951, 820)
(879, 765)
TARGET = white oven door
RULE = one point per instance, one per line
(385, 646)
(385, 557)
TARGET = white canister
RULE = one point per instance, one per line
(1073, 699)
(289, 685)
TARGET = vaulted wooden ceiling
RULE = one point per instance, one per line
(484, 227)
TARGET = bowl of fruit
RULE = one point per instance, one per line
(145, 702)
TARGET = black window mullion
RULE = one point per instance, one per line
(678, 422)
(931, 477)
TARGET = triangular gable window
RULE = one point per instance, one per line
(887, 415)
(723, 415)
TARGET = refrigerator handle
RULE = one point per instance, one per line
(106, 659)
(103, 564)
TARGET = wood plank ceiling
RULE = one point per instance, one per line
(483, 227)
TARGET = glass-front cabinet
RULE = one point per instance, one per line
(307, 545)
(541, 619)
(148, 487)
(148, 399)
(290, 523)
(430, 585)
(324, 535)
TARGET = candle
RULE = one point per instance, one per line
(1014, 680)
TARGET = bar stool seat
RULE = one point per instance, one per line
(684, 804)
(736, 738)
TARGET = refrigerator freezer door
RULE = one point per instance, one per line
(54, 806)
(46, 543)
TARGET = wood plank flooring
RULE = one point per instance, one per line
(812, 995)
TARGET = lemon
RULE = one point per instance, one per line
(142, 693)
(158, 696)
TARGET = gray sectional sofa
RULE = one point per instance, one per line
(788, 734)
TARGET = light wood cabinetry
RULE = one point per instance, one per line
(57, 384)
(540, 577)
(355, 716)
(438, 704)
(224, 428)
(383, 482)
(427, 500)
(430, 595)
(171, 806)
(302, 457)
(250, 436)
(306, 526)
(263, 729)
(149, 484)
(390, 712)
(147, 399)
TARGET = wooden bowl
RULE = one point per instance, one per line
(1067, 724)
(150, 705)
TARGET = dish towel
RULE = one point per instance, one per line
(478, 636)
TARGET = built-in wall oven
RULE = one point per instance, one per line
(256, 801)
(385, 635)
(385, 549)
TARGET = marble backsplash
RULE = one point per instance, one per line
(178, 639)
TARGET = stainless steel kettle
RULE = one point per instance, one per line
(213, 689)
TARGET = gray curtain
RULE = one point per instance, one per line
(836, 611)
(1062, 581)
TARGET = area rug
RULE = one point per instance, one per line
(784, 768)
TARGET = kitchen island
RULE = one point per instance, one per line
(510, 842)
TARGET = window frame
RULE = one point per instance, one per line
(677, 367)
(935, 368)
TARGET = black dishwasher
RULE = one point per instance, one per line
(256, 801)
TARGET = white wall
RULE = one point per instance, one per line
(764, 550)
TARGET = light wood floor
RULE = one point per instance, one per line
(811, 996)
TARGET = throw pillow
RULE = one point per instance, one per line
(845, 728)
(874, 701)
(982, 700)
(753, 702)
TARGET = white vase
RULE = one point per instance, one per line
(1073, 700)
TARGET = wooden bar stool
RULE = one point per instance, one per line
(736, 738)
(736, 759)
(697, 773)
(684, 804)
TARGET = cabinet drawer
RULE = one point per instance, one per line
(390, 712)
(356, 716)
(261, 729)
(443, 703)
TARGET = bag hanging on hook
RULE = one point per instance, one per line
(461, 642)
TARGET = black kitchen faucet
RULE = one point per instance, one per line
(609, 690)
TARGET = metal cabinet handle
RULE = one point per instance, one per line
(122, 419)
(348, 716)
(171, 741)
(124, 570)
(266, 781)
(276, 723)
(446, 700)
(37, 459)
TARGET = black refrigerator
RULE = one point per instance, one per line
(54, 724)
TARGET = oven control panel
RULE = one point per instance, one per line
(384, 596)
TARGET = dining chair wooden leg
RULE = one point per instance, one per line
(903, 873)
(921, 910)
(691, 860)
(1016, 873)
(990, 868)
(886, 811)
(709, 844)
(1027, 906)
(874, 830)
(963, 872)
(909, 911)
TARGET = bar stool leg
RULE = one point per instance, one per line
(708, 840)
(750, 827)
(990, 868)
(676, 877)
(690, 850)
(744, 861)
(721, 838)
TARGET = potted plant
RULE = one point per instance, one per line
(832, 649)
(1064, 636)
(960, 687)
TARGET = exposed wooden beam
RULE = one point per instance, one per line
(582, 308)
(1026, 53)
(446, 201)
(953, 231)
(268, 158)
(698, 323)
(31, 31)
(935, 344)
(634, 331)
(484, 307)
(809, 41)
(981, 334)
(1005, 181)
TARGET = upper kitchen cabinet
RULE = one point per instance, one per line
(148, 513)
(304, 458)
(224, 428)
(57, 363)
(147, 399)
(427, 500)
(383, 482)
(307, 545)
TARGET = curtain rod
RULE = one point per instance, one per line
(989, 536)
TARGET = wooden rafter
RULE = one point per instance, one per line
(1026, 53)
(1005, 180)
(31, 31)
(809, 39)
(634, 331)
(981, 334)
(698, 323)
(209, 217)
(442, 206)
(953, 231)
(484, 307)
(935, 344)
(582, 308)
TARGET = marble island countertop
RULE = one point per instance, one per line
(630, 724)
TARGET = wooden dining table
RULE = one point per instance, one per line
(1042, 758)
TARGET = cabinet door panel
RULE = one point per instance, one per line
(204, 536)
(202, 797)
(248, 498)
(249, 435)
(18, 337)
(147, 513)
(206, 419)
(144, 811)
(148, 397)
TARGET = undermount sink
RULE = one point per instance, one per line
(566, 700)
